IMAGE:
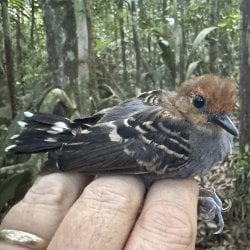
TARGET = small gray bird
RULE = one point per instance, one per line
(159, 134)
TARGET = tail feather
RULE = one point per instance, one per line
(20, 148)
(43, 118)
(42, 133)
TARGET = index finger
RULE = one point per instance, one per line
(44, 206)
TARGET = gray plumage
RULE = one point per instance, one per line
(157, 135)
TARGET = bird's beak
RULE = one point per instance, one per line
(223, 120)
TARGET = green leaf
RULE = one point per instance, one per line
(9, 187)
(200, 38)
(191, 68)
(168, 56)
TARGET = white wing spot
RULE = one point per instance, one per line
(52, 132)
(110, 124)
(145, 139)
(140, 129)
(85, 132)
(129, 152)
(57, 129)
(14, 137)
(10, 147)
(172, 133)
(148, 125)
(77, 143)
(22, 124)
(125, 122)
(113, 135)
(28, 114)
(61, 125)
(171, 152)
(50, 139)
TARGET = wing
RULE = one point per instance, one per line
(46, 132)
(157, 97)
(138, 136)
(145, 142)
(138, 104)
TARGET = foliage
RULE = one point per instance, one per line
(17, 7)
(241, 209)
(11, 186)
(162, 42)
(186, 35)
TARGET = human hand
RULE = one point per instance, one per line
(71, 213)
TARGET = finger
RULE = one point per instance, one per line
(168, 219)
(45, 204)
(102, 217)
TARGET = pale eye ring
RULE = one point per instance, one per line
(199, 101)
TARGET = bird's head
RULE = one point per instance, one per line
(207, 101)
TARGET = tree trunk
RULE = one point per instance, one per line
(178, 42)
(245, 76)
(32, 26)
(60, 26)
(136, 43)
(9, 58)
(213, 44)
(93, 86)
(182, 56)
(84, 41)
(123, 42)
(19, 72)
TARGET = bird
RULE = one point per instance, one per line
(157, 135)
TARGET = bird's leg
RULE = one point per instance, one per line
(210, 206)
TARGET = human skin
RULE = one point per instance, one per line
(73, 212)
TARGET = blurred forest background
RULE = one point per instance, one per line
(75, 57)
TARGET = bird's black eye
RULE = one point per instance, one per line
(199, 101)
